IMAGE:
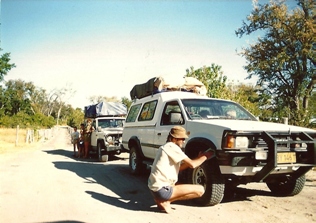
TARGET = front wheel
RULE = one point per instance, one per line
(287, 187)
(101, 158)
(208, 175)
(135, 162)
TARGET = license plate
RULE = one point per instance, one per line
(286, 157)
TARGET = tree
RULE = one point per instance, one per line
(213, 79)
(127, 102)
(75, 117)
(5, 66)
(39, 101)
(18, 107)
(58, 99)
(16, 97)
(313, 104)
(284, 58)
(245, 95)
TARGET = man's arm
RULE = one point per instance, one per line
(193, 163)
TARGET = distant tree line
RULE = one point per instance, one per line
(283, 60)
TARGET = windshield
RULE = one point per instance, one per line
(110, 123)
(215, 109)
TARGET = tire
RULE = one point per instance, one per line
(287, 187)
(101, 158)
(135, 162)
(208, 175)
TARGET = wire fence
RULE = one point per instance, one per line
(19, 136)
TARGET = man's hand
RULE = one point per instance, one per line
(208, 154)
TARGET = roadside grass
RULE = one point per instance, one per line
(9, 142)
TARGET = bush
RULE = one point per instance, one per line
(27, 121)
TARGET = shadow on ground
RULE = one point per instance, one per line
(92, 157)
(132, 192)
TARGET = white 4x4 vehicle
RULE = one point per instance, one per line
(245, 149)
(106, 137)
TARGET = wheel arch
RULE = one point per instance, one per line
(100, 141)
(198, 144)
(134, 141)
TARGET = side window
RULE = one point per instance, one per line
(148, 111)
(133, 112)
(172, 114)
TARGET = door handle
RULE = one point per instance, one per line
(159, 133)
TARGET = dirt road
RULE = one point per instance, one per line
(49, 185)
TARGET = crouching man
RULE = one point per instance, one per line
(169, 160)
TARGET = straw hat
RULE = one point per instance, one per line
(178, 132)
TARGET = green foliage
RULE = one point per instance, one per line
(284, 58)
(24, 104)
(246, 95)
(27, 121)
(5, 66)
(75, 117)
(313, 105)
(126, 102)
(213, 79)
(16, 97)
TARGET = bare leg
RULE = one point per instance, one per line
(164, 206)
(86, 149)
(80, 151)
(181, 192)
(186, 192)
(74, 149)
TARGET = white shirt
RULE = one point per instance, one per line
(74, 136)
(165, 169)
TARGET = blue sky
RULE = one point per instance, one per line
(106, 47)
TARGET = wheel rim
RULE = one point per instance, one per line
(133, 160)
(199, 176)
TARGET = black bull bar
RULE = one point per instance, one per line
(272, 154)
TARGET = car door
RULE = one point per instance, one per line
(146, 128)
(171, 115)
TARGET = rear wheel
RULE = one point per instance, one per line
(287, 187)
(209, 176)
(135, 161)
(101, 158)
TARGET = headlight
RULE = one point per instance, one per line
(109, 139)
(239, 142)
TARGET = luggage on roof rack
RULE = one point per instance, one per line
(158, 84)
(152, 86)
(105, 109)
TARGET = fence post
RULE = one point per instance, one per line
(285, 121)
(32, 133)
(27, 136)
